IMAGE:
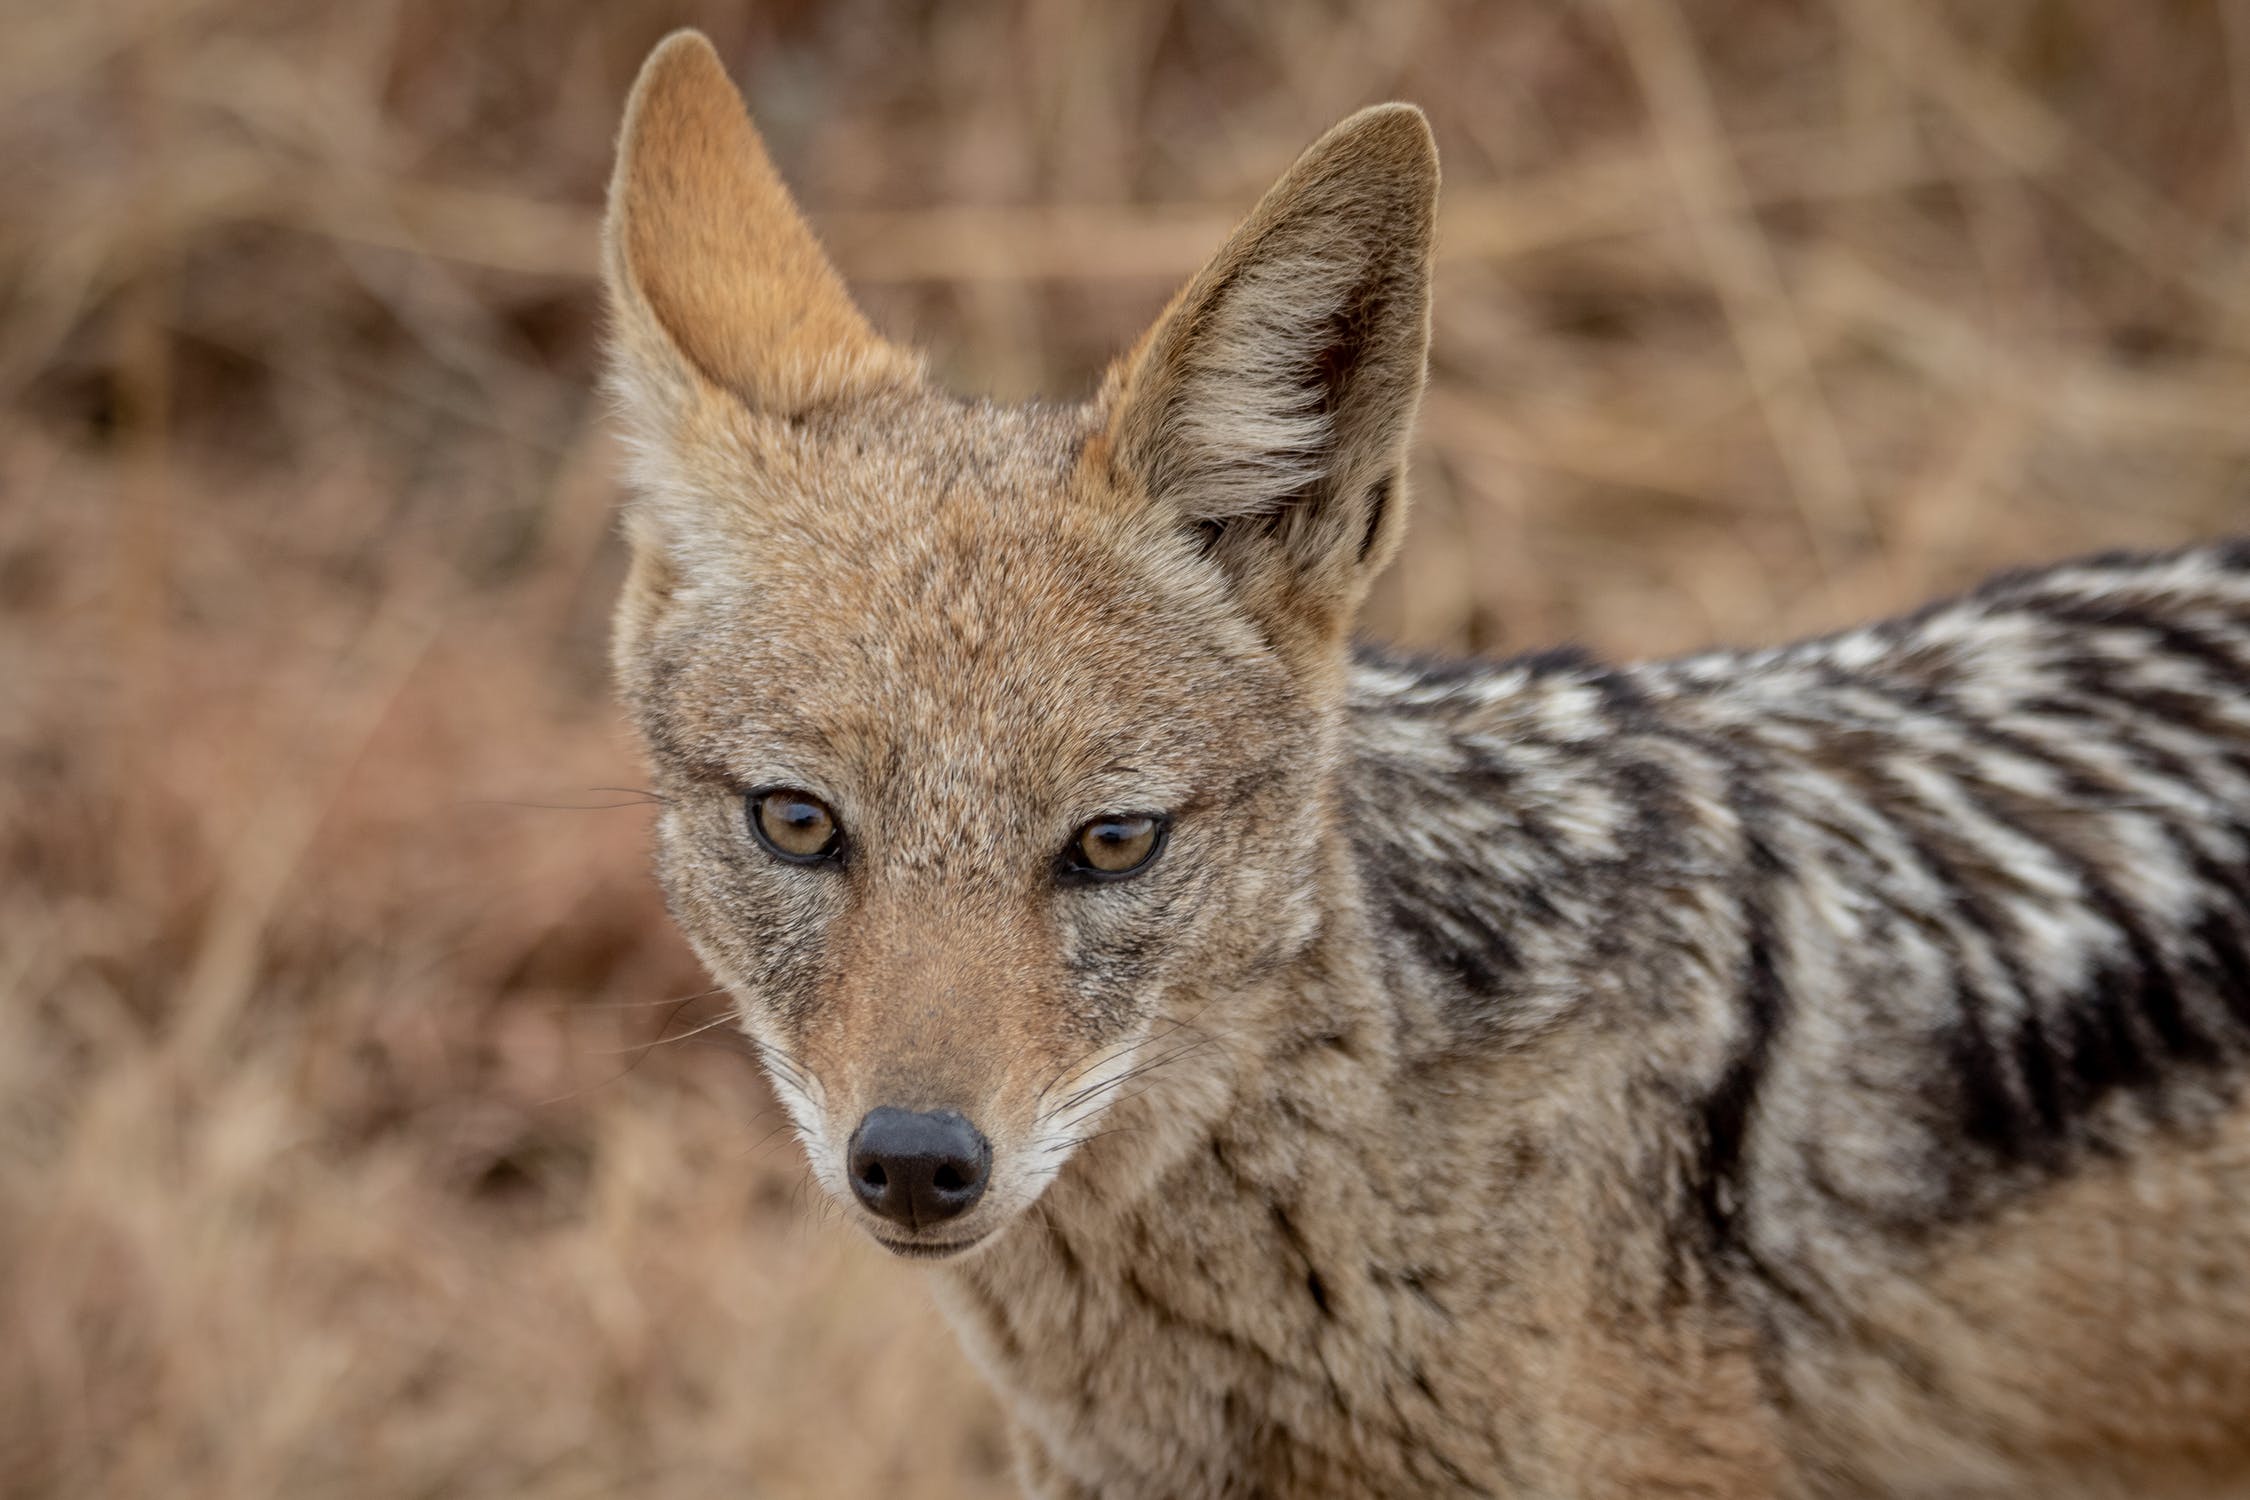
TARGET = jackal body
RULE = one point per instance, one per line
(1807, 1072)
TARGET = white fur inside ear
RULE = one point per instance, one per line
(1247, 429)
(1281, 383)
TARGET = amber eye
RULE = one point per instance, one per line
(793, 825)
(1115, 845)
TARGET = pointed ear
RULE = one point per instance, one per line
(715, 281)
(1269, 407)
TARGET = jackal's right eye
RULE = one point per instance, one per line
(794, 826)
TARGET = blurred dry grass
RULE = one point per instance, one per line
(353, 1138)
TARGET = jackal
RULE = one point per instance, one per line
(1802, 1072)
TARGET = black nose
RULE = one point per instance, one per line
(916, 1169)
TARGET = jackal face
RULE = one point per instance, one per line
(995, 742)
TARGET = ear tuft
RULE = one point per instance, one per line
(1269, 406)
(713, 274)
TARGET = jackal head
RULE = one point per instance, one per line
(997, 743)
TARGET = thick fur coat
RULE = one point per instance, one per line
(1807, 1072)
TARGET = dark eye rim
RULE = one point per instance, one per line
(830, 853)
(1071, 866)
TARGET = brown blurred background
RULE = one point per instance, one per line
(356, 1134)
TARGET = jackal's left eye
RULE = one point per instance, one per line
(1115, 845)
(794, 826)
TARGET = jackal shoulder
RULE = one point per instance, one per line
(1980, 874)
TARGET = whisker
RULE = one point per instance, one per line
(1073, 1071)
(574, 1005)
(787, 1066)
(765, 1140)
(546, 806)
(1096, 1090)
(1171, 1025)
(662, 1040)
(1072, 1143)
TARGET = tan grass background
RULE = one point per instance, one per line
(355, 1140)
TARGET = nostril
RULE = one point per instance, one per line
(873, 1175)
(947, 1180)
